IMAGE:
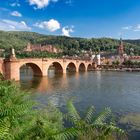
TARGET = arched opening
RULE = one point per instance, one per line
(55, 68)
(71, 67)
(30, 70)
(89, 68)
(82, 67)
(94, 65)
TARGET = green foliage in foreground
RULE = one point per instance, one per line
(19, 120)
(94, 127)
(22, 119)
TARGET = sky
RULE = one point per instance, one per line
(74, 18)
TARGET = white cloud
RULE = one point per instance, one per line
(137, 28)
(67, 30)
(16, 14)
(41, 3)
(127, 28)
(134, 28)
(15, 4)
(51, 25)
(10, 25)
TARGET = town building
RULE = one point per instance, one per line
(119, 56)
(134, 58)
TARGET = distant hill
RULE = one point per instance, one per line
(19, 39)
(135, 41)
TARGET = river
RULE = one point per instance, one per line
(118, 90)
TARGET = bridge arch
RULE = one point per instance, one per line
(71, 67)
(94, 65)
(82, 67)
(56, 67)
(89, 67)
(32, 67)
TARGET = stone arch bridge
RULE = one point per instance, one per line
(10, 68)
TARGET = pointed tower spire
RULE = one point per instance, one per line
(121, 47)
(121, 41)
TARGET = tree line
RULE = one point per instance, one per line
(71, 46)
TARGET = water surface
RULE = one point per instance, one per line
(118, 90)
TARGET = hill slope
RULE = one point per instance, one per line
(19, 39)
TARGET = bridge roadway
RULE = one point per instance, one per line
(11, 67)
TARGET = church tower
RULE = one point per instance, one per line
(121, 48)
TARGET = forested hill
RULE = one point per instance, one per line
(135, 41)
(19, 39)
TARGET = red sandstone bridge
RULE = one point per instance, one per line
(10, 68)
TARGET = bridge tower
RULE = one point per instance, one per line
(11, 66)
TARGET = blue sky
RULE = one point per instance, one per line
(76, 18)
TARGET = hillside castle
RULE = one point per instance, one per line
(42, 48)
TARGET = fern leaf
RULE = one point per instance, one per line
(72, 113)
(101, 118)
(67, 134)
(89, 114)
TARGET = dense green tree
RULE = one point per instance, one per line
(131, 64)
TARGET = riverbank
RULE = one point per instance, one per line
(121, 70)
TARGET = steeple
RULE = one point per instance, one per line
(121, 41)
(121, 48)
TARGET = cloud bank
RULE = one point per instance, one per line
(135, 28)
(67, 30)
(51, 25)
(10, 25)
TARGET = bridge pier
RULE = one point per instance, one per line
(64, 70)
(44, 70)
(12, 70)
(77, 69)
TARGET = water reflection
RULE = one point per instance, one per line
(28, 81)
(26, 73)
(98, 79)
(50, 83)
(43, 85)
